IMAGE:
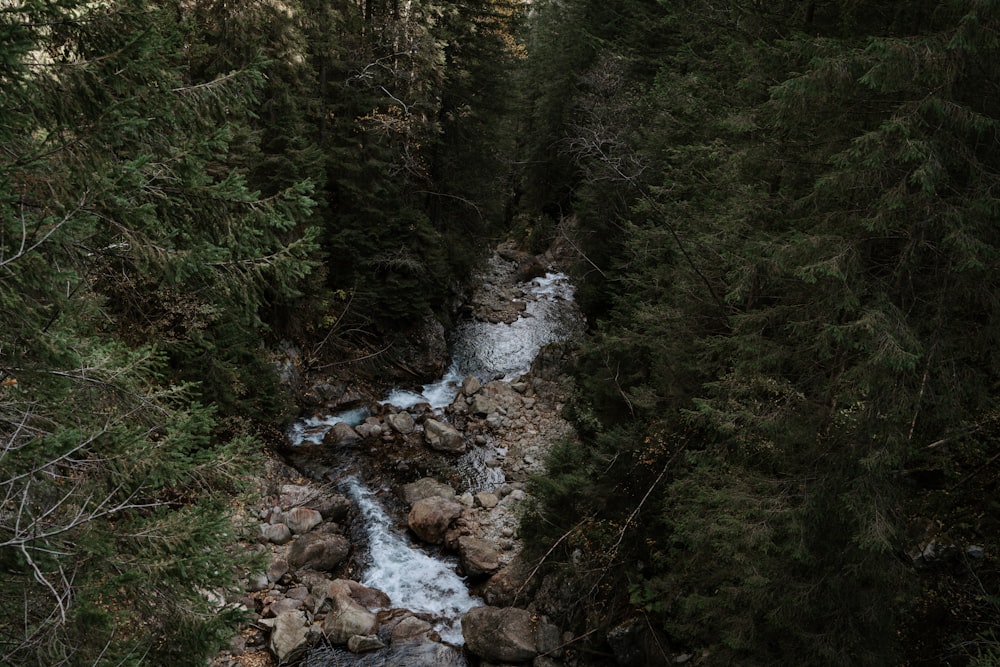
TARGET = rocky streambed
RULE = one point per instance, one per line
(390, 531)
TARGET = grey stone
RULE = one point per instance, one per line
(486, 500)
(367, 430)
(302, 519)
(277, 569)
(341, 435)
(319, 551)
(276, 533)
(364, 643)
(369, 598)
(425, 487)
(471, 385)
(430, 518)
(346, 619)
(443, 437)
(409, 629)
(258, 582)
(505, 634)
(289, 635)
(278, 607)
(401, 422)
(483, 405)
(478, 556)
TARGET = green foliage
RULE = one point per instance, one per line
(786, 221)
(135, 263)
(413, 137)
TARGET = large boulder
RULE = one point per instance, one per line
(511, 584)
(346, 619)
(302, 519)
(369, 598)
(330, 505)
(430, 518)
(443, 437)
(471, 385)
(478, 556)
(370, 429)
(289, 634)
(294, 495)
(411, 629)
(319, 550)
(364, 643)
(507, 634)
(341, 434)
(276, 533)
(425, 487)
(401, 422)
(483, 405)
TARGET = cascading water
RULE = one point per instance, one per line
(412, 578)
(490, 350)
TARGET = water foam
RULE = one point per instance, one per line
(411, 578)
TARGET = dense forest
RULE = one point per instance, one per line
(183, 185)
(786, 221)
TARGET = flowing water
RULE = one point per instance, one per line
(491, 350)
(410, 577)
(413, 578)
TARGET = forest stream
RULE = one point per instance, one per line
(488, 396)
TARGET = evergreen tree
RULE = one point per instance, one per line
(799, 304)
(134, 260)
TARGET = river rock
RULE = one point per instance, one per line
(302, 519)
(401, 422)
(507, 634)
(258, 582)
(346, 619)
(276, 533)
(283, 605)
(443, 437)
(319, 550)
(486, 500)
(483, 405)
(410, 628)
(369, 598)
(511, 584)
(471, 385)
(425, 487)
(331, 506)
(289, 634)
(297, 593)
(478, 556)
(277, 569)
(368, 430)
(430, 518)
(364, 643)
(341, 434)
(295, 495)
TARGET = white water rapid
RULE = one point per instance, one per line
(410, 577)
(489, 350)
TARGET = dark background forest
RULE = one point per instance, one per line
(786, 216)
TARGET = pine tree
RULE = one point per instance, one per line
(134, 261)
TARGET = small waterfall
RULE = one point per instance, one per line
(491, 350)
(411, 578)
